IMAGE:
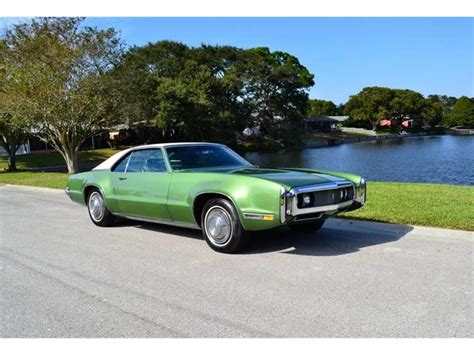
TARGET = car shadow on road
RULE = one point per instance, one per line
(329, 241)
(160, 228)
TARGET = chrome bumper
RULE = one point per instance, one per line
(289, 201)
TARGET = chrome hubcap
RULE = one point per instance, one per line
(218, 225)
(96, 206)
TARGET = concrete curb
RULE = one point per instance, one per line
(33, 188)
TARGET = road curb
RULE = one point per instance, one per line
(33, 188)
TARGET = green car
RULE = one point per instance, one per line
(210, 187)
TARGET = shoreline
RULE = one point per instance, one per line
(329, 142)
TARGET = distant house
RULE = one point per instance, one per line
(388, 122)
(22, 149)
(408, 123)
(323, 123)
(392, 122)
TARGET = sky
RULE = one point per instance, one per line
(428, 55)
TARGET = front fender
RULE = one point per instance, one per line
(249, 195)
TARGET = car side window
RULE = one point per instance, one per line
(146, 161)
(122, 165)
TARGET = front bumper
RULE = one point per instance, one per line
(290, 211)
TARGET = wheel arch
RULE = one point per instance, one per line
(87, 190)
(201, 199)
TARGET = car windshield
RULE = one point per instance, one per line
(193, 157)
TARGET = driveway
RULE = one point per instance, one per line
(61, 276)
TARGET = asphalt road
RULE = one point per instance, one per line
(63, 277)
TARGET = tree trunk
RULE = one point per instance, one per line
(12, 162)
(71, 161)
(10, 145)
(12, 155)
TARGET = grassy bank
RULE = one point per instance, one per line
(436, 205)
(38, 179)
(53, 158)
(445, 206)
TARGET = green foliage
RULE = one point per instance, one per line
(406, 104)
(213, 92)
(322, 108)
(462, 113)
(373, 104)
(275, 88)
(433, 112)
(59, 67)
(13, 126)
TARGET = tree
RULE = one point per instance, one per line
(322, 108)
(375, 103)
(434, 110)
(204, 96)
(60, 72)
(134, 80)
(176, 86)
(406, 104)
(214, 92)
(276, 89)
(462, 113)
(13, 127)
(371, 104)
(11, 135)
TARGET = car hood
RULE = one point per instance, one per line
(288, 178)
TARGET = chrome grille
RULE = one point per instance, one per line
(324, 198)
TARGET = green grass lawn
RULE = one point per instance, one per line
(55, 159)
(39, 179)
(445, 206)
(436, 205)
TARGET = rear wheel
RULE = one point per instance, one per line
(98, 211)
(221, 226)
(309, 227)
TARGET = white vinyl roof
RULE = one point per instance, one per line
(110, 162)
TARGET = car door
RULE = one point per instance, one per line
(140, 185)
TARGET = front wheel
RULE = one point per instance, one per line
(98, 211)
(221, 226)
(308, 227)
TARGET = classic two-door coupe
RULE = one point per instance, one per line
(210, 187)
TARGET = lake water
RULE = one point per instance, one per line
(432, 159)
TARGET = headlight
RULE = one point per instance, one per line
(305, 200)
